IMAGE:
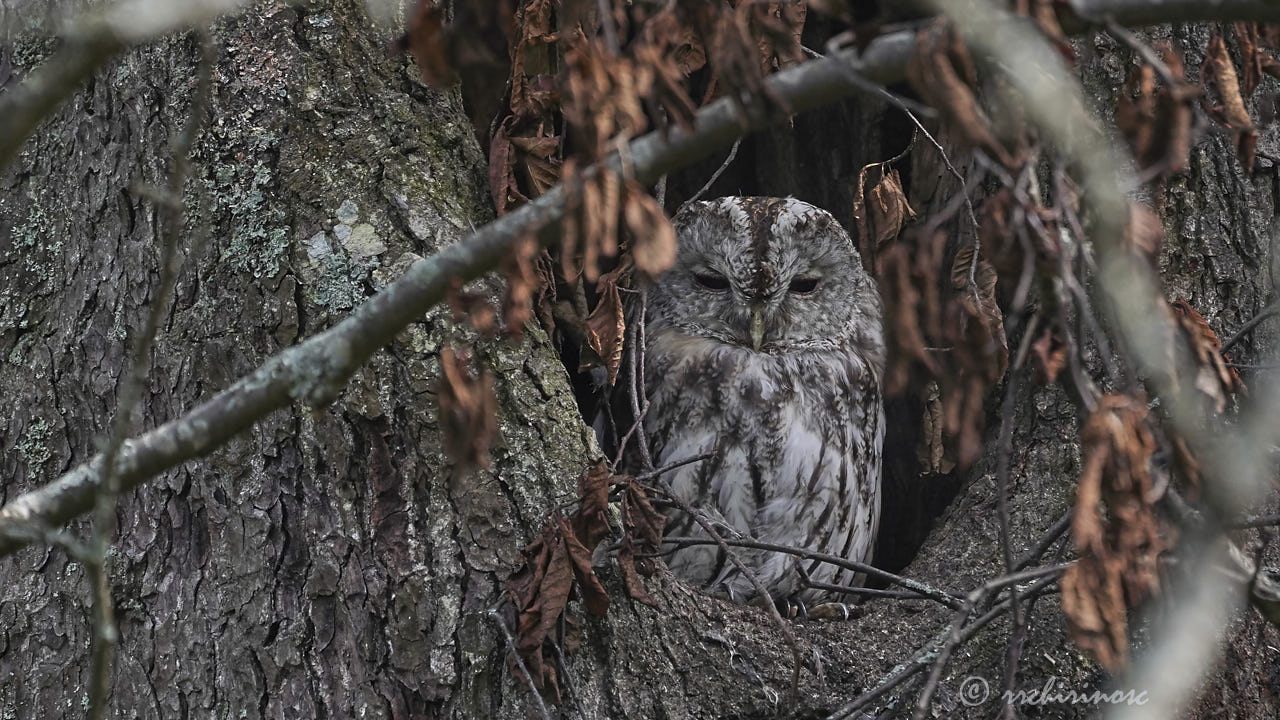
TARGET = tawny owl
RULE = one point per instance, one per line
(764, 345)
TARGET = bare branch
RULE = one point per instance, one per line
(1134, 13)
(105, 634)
(314, 372)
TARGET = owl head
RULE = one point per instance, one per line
(768, 275)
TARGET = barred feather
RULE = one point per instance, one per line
(796, 424)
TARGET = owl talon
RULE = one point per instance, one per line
(728, 591)
(794, 608)
(831, 611)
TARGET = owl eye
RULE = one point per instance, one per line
(803, 285)
(712, 281)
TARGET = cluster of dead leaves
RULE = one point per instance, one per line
(1022, 242)
(558, 568)
(743, 41)
(945, 329)
(1215, 379)
(1157, 119)
(1219, 72)
(1119, 548)
(583, 77)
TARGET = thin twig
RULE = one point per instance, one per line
(1049, 537)
(564, 666)
(870, 87)
(1260, 521)
(1004, 455)
(635, 391)
(524, 669)
(926, 655)
(787, 633)
(956, 636)
(733, 153)
(866, 591)
(1144, 51)
(105, 525)
(672, 466)
(950, 600)
(1268, 312)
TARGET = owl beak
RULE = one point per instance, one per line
(757, 327)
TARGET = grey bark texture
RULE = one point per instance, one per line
(330, 563)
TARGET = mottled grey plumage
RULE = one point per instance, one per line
(764, 344)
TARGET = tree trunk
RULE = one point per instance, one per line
(332, 563)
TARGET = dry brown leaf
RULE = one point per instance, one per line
(1119, 549)
(468, 412)
(652, 236)
(956, 340)
(1157, 120)
(593, 593)
(591, 520)
(776, 27)
(1215, 379)
(556, 564)
(671, 51)
(907, 278)
(733, 52)
(1218, 69)
(1144, 235)
(1250, 57)
(523, 283)
(523, 162)
(533, 60)
(602, 94)
(540, 591)
(932, 451)
(538, 162)
(606, 326)
(425, 38)
(502, 180)
(642, 533)
(1049, 354)
(880, 210)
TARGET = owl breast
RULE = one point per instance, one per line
(796, 439)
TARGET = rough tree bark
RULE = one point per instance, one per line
(331, 563)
